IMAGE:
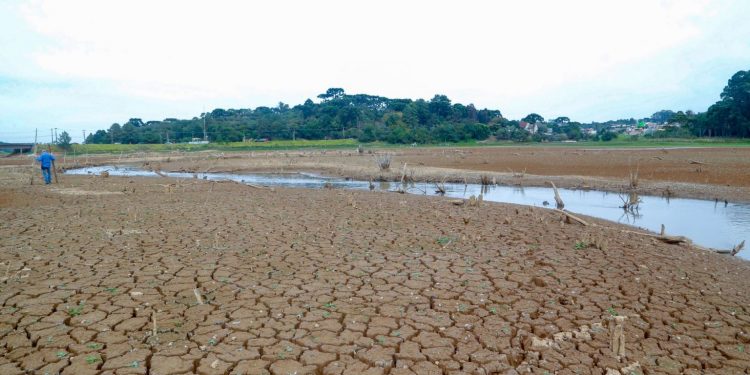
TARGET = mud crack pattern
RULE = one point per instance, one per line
(333, 282)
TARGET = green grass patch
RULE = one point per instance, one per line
(333, 144)
(230, 146)
(580, 245)
(75, 311)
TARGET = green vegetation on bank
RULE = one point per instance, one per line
(352, 144)
(624, 141)
(226, 146)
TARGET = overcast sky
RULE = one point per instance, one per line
(78, 65)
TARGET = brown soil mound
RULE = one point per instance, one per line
(219, 278)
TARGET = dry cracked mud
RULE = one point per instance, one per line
(218, 278)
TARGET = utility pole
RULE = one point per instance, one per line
(51, 136)
(36, 134)
(84, 136)
(205, 135)
(167, 137)
(55, 135)
(54, 169)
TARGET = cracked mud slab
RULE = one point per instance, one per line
(305, 282)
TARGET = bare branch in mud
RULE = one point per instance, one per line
(198, 296)
(558, 199)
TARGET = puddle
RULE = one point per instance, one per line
(707, 223)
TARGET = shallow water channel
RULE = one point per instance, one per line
(707, 223)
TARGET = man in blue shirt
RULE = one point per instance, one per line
(46, 159)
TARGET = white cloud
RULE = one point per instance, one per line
(406, 47)
(175, 54)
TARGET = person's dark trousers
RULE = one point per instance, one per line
(47, 176)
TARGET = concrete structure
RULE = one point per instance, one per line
(17, 147)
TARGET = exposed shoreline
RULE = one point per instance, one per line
(345, 280)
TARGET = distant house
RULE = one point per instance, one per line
(652, 127)
(529, 127)
(589, 131)
(632, 130)
(198, 141)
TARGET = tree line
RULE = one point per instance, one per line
(336, 115)
(729, 117)
(375, 118)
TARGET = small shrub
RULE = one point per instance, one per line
(383, 161)
(75, 311)
(91, 359)
(94, 345)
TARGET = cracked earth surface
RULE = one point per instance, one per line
(219, 278)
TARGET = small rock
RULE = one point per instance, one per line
(538, 344)
(563, 336)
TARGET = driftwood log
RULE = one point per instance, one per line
(558, 200)
(672, 239)
(675, 240)
(573, 217)
(734, 251)
(662, 237)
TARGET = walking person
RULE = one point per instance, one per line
(46, 160)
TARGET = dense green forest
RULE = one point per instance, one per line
(374, 118)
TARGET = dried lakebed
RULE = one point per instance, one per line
(334, 281)
(712, 224)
